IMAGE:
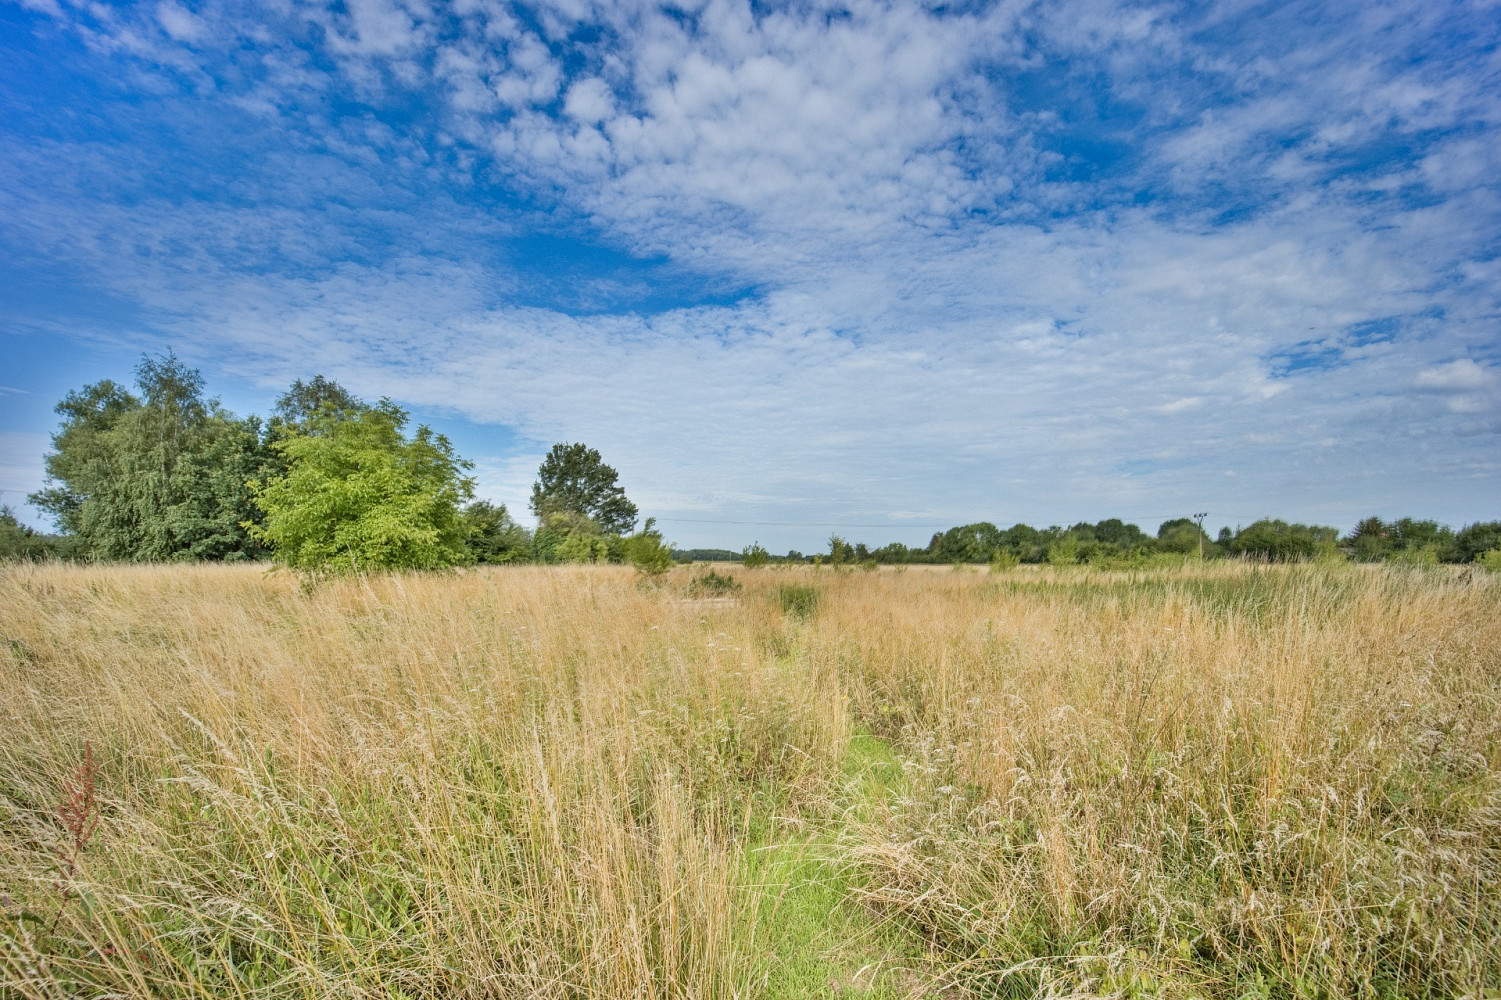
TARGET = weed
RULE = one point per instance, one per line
(713, 584)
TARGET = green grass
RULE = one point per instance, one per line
(825, 942)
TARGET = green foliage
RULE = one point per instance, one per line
(1002, 560)
(647, 552)
(304, 402)
(492, 537)
(1279, 541)
(1064, 552)
(1474, 540)
(712, 584)
(18, 541)
(1409, 541)
(840, 551)
(797, 600)
(358, 495)
(1490, 560)
(156, 477)
(582, 549)
(753, 556)
(1182, 534)
(968, 543)
(573, 479)
(566, 536)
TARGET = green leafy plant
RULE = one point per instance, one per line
(573, 478)
(754, 556)
(359, 495)
(1002, 560)
(647, 552)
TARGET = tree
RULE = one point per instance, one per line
(304, 401)
(359, 495)
(155, 477)
(1278, 540)
(647, 552)
(1475, 540)
(18, 541)
(573, 479)
(753, 556)
(492, 536)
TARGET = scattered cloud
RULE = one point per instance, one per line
(810, 262)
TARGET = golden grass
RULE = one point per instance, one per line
(1216, 781)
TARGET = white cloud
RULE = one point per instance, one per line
(943, 321)
(180, 23)
(1463, 375)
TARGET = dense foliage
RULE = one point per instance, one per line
(359, 495)
(160, 476)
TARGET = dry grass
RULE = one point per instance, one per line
(1220, 781)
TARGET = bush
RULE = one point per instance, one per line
(712, 584)
(647, 552)
(493, 538)
(797, 600)
(754, 556)
(1002, 560)
(1064, 552)
(1490, 560)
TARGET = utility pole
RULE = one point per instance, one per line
(1199, 520)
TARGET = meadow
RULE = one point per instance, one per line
(1219, 780)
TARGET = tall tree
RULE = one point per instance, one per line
(304, 401)
(155, 477)
(573, 479)
(360, 495)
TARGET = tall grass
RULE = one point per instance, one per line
(1219, 781)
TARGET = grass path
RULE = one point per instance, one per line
(821, 940)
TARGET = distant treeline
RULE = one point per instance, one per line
(1115, 542)
(331, 483)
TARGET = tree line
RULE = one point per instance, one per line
(332, 483)
(1115, 543)
(327, 483)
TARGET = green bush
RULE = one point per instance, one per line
(1002, 560)
(712, 584)
(797, 600)
(359, 495)
(754, 556)
(647, 552)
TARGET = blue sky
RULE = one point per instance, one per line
(793, 268)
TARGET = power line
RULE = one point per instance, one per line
(843, 524)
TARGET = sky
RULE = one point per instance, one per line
(795, 269)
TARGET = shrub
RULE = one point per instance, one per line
(712, 584)
(754, 556)
(647, 552)
(797, 600)
(1002, 560)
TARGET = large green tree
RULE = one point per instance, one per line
(163, 475)
(573, 479)
(359, 495)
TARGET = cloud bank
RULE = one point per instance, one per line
(810, 263)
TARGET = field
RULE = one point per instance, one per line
(1218, 781)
